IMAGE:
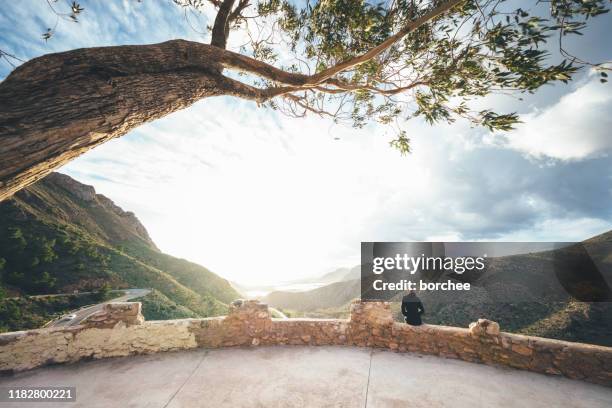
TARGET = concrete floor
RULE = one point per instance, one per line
(304, 377)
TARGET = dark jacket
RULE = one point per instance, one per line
(412, 309)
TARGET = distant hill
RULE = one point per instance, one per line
(522, 292)
(58, 236)
(340, 275)
(337, 275)
(341, 286)
(333, 295)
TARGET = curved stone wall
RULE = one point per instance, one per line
(119, 330)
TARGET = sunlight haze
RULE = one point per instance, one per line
(260, 198)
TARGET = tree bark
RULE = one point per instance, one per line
(56, 107)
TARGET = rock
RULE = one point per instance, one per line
(474, 329)
(484, 327)
(117, 314)
(506, 343)
(371, 313)
(492, 328)
(82, 191)
(522, 349)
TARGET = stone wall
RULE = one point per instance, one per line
(119, 330)
(482, 342)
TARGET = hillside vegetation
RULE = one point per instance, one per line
(59, 236)
(24, 313)
(157, 306)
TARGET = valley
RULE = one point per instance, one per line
(60, 237)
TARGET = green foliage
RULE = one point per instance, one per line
(402, 143)
(575, 321)
(35, 259)
(14, 239)
(30, 313)
(156, 306)
(477, 48)
(103, 293)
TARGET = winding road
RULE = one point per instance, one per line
(85, 312)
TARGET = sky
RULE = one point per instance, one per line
(261, 198)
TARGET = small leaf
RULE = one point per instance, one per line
(76, 8)
(48, 34)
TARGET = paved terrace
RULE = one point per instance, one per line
(303, 376)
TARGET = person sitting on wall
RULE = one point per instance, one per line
(412, 309)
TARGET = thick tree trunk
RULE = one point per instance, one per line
(56, 107)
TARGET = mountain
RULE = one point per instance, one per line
(340, 274)
(334, 295)
(340, 287)
(59, 236)
(535, 293)
(336, 275)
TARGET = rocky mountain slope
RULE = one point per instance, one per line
(59, 236)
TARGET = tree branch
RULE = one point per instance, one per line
(220, 29)
(229, 59)
(374, 52)
(242, 4)
(298, 101)
(343, 87)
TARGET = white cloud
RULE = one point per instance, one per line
(558, 229)
(259, 197)
(578, 126)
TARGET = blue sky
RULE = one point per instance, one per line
(259, 197)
